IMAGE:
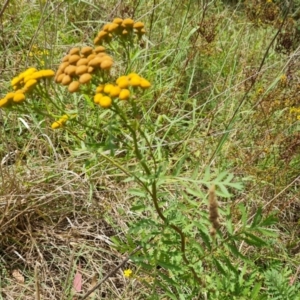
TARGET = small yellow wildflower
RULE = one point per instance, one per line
(118, 21)
(19, 97)
(47, 73)
(60, 123)
(107, 88)
(135, 80)
(97, 98)
(105, 102)
(115, 91)
(144, 84)
(16, 80)
(4, 102)
(74, 87)
(123, 82)
(30, 84)
(100, 88)
(124, 94)
(259, 91)
(28, 72)
(10, 96)
(127, 273)
(127, 23)
(56, 125)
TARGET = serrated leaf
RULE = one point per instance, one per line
(205, 239)
(221, 176)
(230, 265)
(234, 250)
(198, 194)
(222, 191)
(253, 240)
(267, 232)
(270, 220)
(219, 266)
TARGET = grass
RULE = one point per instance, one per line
(220, 100)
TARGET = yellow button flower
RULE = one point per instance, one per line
(19, 97)
(16, 80)
(135, 80)
(107, 88)
(100, 88)
(97, 98)
(30, 84)
(4, 102)
(56, 125)
(47, 73)
(28, 72)
(115, 91)
(123, 82)
(10, 96)
(145, 84)
(105, 102)
(124, 94)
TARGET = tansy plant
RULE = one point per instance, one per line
(184, 236)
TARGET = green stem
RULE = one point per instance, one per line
(154, 195)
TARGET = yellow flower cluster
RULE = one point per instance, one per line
(24, 83)
(119, 27)
(60, 123)
(78, 66)
(295, 110)
(106, 92)
(36, 52)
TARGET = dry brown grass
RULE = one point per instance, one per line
(53, 222)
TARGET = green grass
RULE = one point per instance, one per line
(68, 205)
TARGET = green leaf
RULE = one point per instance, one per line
(219, 266)
(267, 232)
(257, 218)
(179, 165)
(207, 175)
(169, 280)
(170, 295)
(253, 240)
(140, 207)
(255, 290)
(168, 266)
(221, 176)
(244, 217)
(205, 239)
(196, 193)
(270, 220)
(234, 250)
(229, 225)
(137, 192)
(230, 265)
(222, 191)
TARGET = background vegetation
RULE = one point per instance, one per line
(223, 110)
